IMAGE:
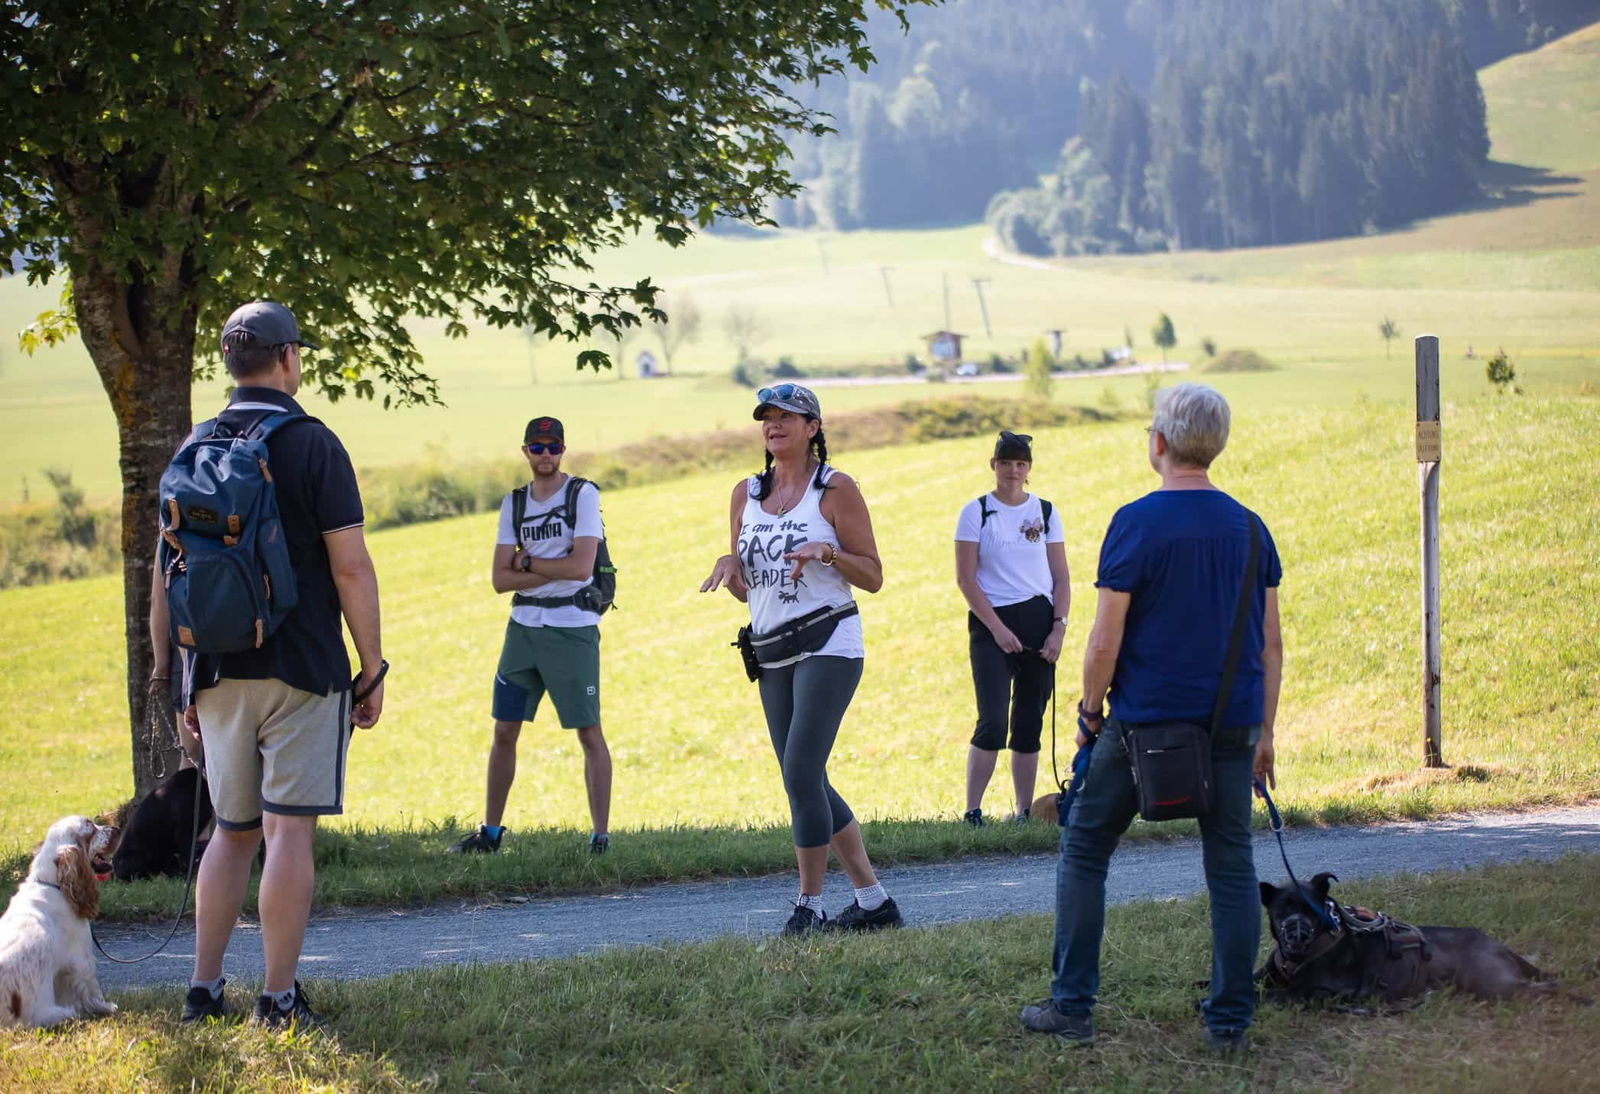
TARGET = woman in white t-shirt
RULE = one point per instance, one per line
(1011, 565)
(802, 542)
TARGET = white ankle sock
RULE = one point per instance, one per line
(283, 1000)
(812, 902)
(213, 986)
(872, 897)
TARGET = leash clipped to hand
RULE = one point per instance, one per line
(1275, 821)
(361, 693)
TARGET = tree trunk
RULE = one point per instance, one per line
(141, 338)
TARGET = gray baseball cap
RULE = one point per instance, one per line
(269, 323)
(794, 398)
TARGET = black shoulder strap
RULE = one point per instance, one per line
(983, 507)
(1241, 617)
(574, 484)
(519, 509)
(1047, 509)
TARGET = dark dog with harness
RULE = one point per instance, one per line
(1331, 952)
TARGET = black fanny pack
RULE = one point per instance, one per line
(804, 634)
(1172, 760)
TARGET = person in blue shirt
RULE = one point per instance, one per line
(1170, 568)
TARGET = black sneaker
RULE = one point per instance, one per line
(297, 1016)
(1044, 1017)
(805, 920)
(973, 817)
(599, 843)
(1227, 1042)
(857, 918)
(480, 842)
(200, 1003)
(1021, 819)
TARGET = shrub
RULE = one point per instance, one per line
(1502, 373)
(1208, 346)
(785, 369)
(1240, 360)
(1038, 367)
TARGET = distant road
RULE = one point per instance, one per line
(369, 943)
(999, 377)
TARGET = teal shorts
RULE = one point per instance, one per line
(564, 661)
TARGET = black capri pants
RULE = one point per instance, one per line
(1022, 681)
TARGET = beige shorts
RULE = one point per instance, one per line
(272, 748)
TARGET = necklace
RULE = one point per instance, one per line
(784, 508)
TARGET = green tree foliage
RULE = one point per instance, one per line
(1388, 330)
(1501, 372)
(1036, 371)
(1164, 334)
(371, 164)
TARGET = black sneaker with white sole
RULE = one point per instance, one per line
(1046, 1017)
(200, 1004)
(857, 918)
(297, 1016)
(805, 920)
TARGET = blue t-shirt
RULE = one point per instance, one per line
(1181, 554)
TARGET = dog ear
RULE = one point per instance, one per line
(77, 881)
(1319, 884)
(1269, 892)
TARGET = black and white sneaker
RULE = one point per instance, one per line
(297, 1016)
(973, 817)
(200, 1004)
(599, 843)
(805, 920)
(857, 918)
(479, 842)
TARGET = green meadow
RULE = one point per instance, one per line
(1321, 449)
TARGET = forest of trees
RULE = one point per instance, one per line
(1084, 126)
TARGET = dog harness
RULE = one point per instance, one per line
(1393, 971)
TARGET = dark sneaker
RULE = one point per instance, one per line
(1021, 819)
(1044, 1017)
(857, 918)
(1227, 1042)
(599, 843)
(480, 842)
(805, 920)
(200, 1004)
(973, 817)
(296, 1016)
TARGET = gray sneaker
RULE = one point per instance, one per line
(1227, 1042)
(1045, 1017)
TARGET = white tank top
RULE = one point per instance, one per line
(774, 598)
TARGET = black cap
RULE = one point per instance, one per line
(1013, 446)
(544, 427)
(268, 323)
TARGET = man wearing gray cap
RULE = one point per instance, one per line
(275, 720)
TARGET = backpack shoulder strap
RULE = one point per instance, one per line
(1047, 509)
(519, 508)
(1241, 616)
(574, 484)
(983, 507)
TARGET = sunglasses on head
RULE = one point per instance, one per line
(539, 448)
(782, 391)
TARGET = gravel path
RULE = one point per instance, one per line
(367, 944)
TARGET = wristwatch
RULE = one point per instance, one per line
(1060, 619)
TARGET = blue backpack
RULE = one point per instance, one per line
(223, 556)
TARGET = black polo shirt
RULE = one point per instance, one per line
(317, 494)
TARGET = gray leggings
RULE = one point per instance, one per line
(804, 703)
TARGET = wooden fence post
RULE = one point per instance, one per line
(1428, 455)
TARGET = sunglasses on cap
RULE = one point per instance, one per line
(539, 448)
(782, 391)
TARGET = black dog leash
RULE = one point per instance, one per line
(1275, 821)
(194, 841)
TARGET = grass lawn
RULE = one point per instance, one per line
(1336, 486)
(930, 1009)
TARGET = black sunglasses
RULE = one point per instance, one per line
(538, 448)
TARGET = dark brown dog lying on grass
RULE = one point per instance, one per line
(1335, 953)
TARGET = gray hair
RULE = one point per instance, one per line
(1194, 419)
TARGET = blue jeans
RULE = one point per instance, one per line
(1102, 812)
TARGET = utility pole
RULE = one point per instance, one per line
(888, 293)
(946, 300)
(1428, 454)
(978, 283)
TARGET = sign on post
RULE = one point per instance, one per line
(1429, 450)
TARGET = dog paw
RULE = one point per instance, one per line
(101, 1008)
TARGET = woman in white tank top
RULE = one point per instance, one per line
(801, 542)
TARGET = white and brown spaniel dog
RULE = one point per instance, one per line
(47, 972)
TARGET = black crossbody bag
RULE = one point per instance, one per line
(1172, 760)
(804, 634)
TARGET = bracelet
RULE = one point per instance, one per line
(154, 679)
(833, 555)
(1097, 716)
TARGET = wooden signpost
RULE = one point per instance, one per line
(1428, 455)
